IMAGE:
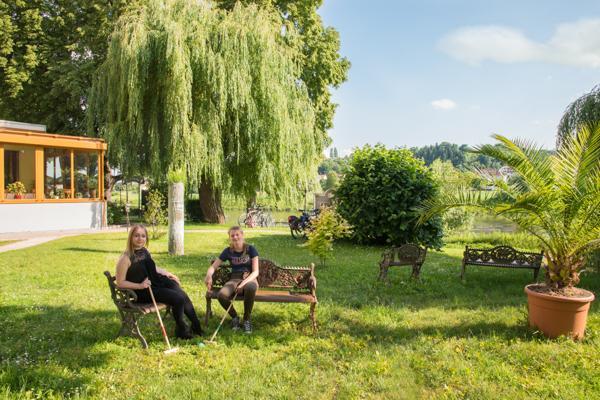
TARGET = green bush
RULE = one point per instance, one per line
(115, 213)
(592, 260)
(155, 214)
(324, 229)
(379, 194)
(448, 178)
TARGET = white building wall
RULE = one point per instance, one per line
(50, 216)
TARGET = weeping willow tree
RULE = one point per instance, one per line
(584, 110)
(212, 93)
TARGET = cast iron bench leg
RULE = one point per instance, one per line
(313, 306)
(130, 327)
(208, 311)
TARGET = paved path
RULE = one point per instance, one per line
(29, 239)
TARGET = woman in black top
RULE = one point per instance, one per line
(244, 271)
(136, 270)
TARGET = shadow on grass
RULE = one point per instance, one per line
(45, 348)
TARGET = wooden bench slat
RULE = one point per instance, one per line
(268, 296)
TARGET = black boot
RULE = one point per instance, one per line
(183, 333)
(197, 329)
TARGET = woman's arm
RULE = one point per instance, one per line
(168, 274)
(211, 270)
(253, 275)
(122, 267)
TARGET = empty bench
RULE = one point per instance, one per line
(276, 285)
(407, 254)
(502, 257)
(130, 311)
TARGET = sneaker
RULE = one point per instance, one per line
(247, 327)
(235, 323)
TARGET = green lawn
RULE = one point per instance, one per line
(437, 338)
(5, 242)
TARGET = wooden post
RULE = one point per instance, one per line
(176, 218)
(39, 173)
(72, 195)
(1, 172)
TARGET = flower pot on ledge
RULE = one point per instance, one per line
(556, 315)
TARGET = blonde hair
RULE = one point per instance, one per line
(130, 249)
(234, 229)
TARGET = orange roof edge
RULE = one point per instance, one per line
(43, 138)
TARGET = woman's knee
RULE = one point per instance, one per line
(251, 287)
(224, 294)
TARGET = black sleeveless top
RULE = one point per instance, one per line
(142, 267)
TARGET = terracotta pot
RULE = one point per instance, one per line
(558, 315)
(18, 196)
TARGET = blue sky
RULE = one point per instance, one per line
(459, 70)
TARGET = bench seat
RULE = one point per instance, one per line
(273, 296)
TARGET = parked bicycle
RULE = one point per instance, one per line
(300, 225)
(256, 216)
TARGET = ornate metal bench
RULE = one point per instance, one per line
(502, 257)
(130, 311)
(276, 285)
(407, 254)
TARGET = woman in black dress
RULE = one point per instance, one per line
(136, 270)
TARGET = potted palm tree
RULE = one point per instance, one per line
(556, 198)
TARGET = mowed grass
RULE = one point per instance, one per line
(433, 338)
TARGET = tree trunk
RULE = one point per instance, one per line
(176, 218)
(210, 202)
(108, 181)
(251, 201)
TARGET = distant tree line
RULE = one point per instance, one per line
(459, 155)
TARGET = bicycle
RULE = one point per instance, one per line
(256, 216)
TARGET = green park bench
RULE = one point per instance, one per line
(502, 257)
(130, 311)
(276, 285)
(404, 255)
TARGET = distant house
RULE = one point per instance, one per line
(49, 181)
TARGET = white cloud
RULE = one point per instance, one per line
(443, 104)
(573, 43)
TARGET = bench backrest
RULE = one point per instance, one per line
(121, 298)
(503, 255)
(273, 276)
(407, 254)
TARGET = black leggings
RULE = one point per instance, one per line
(172, 294)
(227, 292)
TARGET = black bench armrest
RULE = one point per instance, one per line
(123, 298)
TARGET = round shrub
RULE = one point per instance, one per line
(379, 194)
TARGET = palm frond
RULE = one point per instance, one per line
(462, 196)
(530, 162)
(577, 169)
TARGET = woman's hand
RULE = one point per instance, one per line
(239, 289)
(173, 277)
(145, 284)
(208, 281)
